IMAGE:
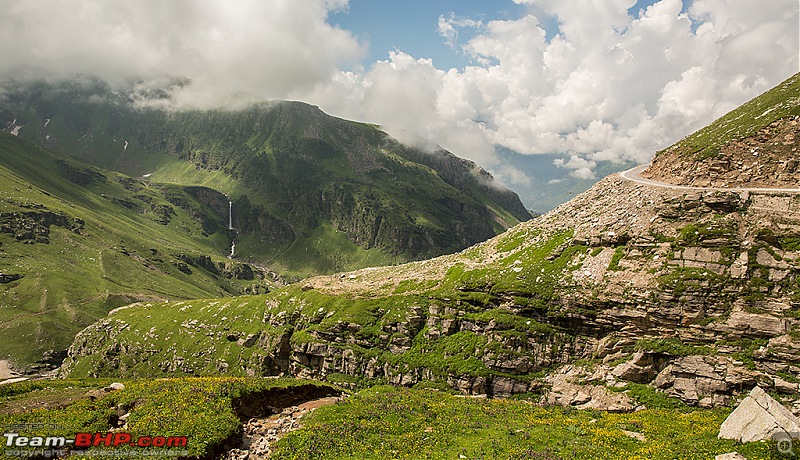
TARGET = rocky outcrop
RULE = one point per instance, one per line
(707, 381)
(760, 418)
(576, 387)
(767, 159)
(34, 226)
(642, 368)
(6, 278)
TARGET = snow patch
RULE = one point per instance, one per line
(15, 128)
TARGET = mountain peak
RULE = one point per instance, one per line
(754, 146)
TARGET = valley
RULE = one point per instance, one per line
(642, 304)
(179, 206)
(667, 274)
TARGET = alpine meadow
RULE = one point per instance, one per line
(537, 230)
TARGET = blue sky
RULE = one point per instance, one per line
(412, 26)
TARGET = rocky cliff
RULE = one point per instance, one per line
(703, 285)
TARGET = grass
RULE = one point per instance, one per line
(619, 253)
(388, 422)
(375, 423)
(780, 102)
(719, 227)
(672, 347)
(531, 269)
(326, 250)
(202, 409)
(120, 251)
(184, 173)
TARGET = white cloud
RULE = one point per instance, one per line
(226, 47)
(581, 168)
(510, 176)
(607, 86)
(448, 27)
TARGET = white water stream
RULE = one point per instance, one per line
(230, 227)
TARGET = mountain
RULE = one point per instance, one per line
(310, 193)
(752, 146)
(77, 241)
(693, 291)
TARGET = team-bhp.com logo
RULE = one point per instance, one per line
(87, 440)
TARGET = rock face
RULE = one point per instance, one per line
(759, 417)
(34, 226)
(574, 386)
(767, 159)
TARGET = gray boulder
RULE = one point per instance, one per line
(759, 417)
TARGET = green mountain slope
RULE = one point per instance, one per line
(311, 193)
(781, 102)
(695, 292)
(754, 146)
(77, 241)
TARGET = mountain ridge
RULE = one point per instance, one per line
(302, 172)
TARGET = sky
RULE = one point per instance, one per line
(590, 80)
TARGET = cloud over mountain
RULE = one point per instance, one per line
(613, 83)
(263, 48)
(592, 79)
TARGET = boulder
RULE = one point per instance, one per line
(730, 456)
(567, 389)
(759, 417)
(642, 368)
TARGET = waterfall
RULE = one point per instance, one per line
(230, 227)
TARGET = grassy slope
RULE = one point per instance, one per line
(529, 269)
(387, 422)
(779, 102)
(200, 409)
(121, 254)
(382, 422)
